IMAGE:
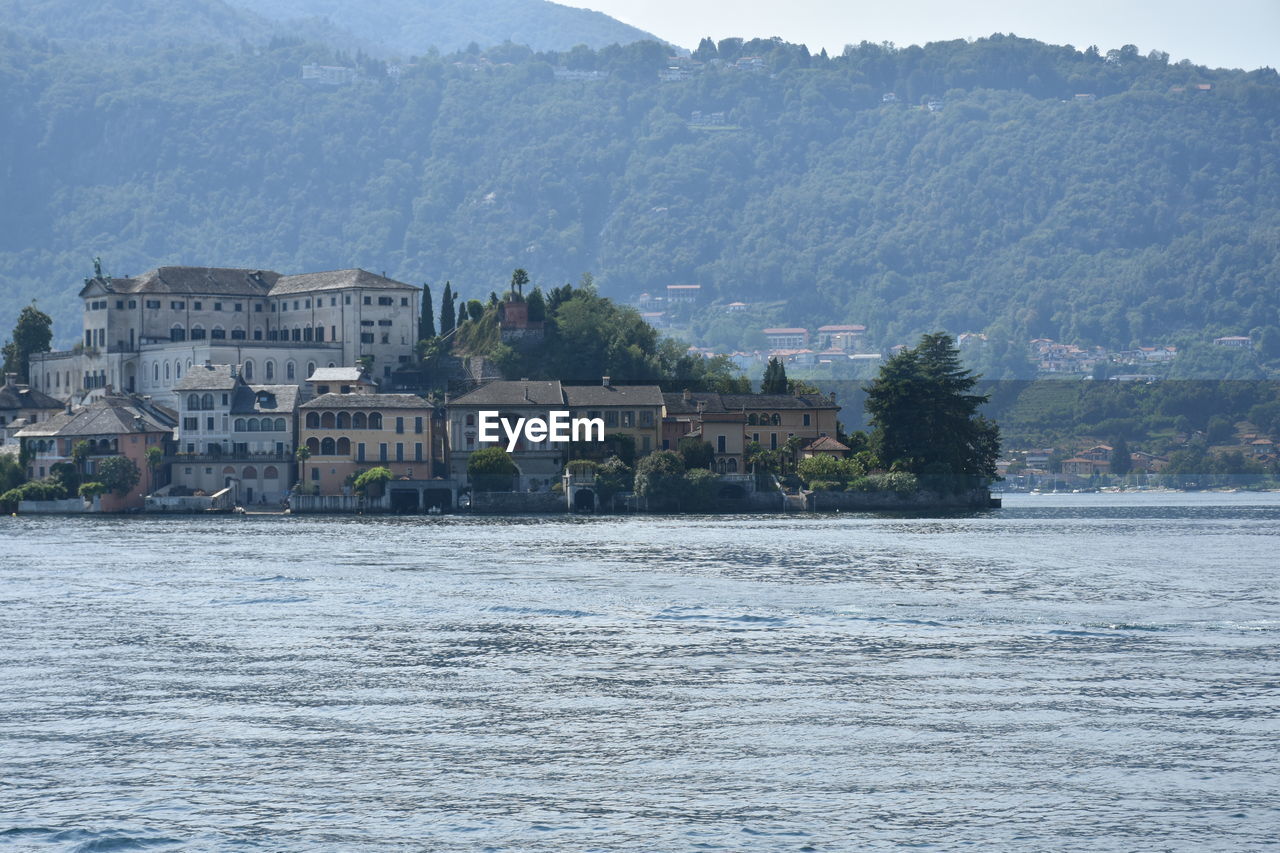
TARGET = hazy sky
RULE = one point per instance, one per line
(1218, 33)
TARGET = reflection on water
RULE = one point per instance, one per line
(1079, 672)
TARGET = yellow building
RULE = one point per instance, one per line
(349, 433)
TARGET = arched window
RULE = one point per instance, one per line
(290, 371)
(331, 364)
(777, 419)
(313, 420)
(206, 402)
(313, 445)
(197, 333)
(248, 371)
(358, 420)
(177, 370)
(271, 370)
(177, 333)
(733, 465)
(344, 446)
(344, 420)
(311, 369)
(229, 470)
(250, 473)
(254, 425)
(237, 334)
(279, 424)
(193, 402)
(722, 466)
(471, 420)
(375, 420)
(218, 333)
(270, 473)
(155, 370)
(752, 419)
(166, 371)
(239, 425)
(327, 420)
(327, 447)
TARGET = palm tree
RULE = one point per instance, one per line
(302, 455)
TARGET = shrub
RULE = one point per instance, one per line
(36, 490)
(372, 482)
(826, 486)
(491, 470)
(899, 482)
(92, 490)
(700, 487)
(660, 479)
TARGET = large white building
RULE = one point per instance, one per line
(142, 334)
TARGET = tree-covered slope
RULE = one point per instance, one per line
(1148, 212)
(411, 27)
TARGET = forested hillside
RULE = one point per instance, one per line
(1147, 211)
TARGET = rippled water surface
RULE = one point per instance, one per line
(1068, 673)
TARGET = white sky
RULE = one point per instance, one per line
(1217, 33)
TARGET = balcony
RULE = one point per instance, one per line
(230, 456)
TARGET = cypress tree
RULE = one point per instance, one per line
(448, 321)
(775, 378)
(427, 322)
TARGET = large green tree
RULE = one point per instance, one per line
(660, 480)
(775, 378)
(31, 334)
(448, 319)
(427, 320)
(925, 417)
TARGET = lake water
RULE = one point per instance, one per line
(1073, 672)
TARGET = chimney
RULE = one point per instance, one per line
(688, 395)
(208, 364)
(10, 379)
(604, 380)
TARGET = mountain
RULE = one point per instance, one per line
(411, 27)
(1009, 186)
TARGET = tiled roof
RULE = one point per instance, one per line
(335, 280)
(778, 401)
(337, 374)
(826, 444)
(207, 377)
(514, 393)
(14, 397)
(613, 395)
(193, 280)
(678, 405)
(370, 402)
(278, 399)
(110, 415)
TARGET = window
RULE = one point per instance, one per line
(197, 333)
(327, 447)
(719, 444)
(375, 420)
(295, 305)
(399, 451)
(270, 473)
(119, 304)
(360, 452)
(206, 402)
(239, 306)
(347, 299)
(195, 305)
(257, 334)
(320, 334)
(311, 368)
(611, 419)
(344, 446)
(271, 370)
(257, 308)
(209, 424)
(368, 300)
(646, 418)
(382, 452)
(404, 302)
(399, 426)
(344, 420)
(248, 371)
(806, 420)
(177, 305)
(133, 303)
(628, 419)
(315, 473)
(296, 334)
(366, 337)
(237, 334)
(289, 370)
(306, 333)
(366, 322)
(193, 402)
(153, 304)
(239, 425)
(752, 420)
(192, 424)
(384, 322)
(306, 303)
(386, 339)
(333, 300)
(386, 300)
(313, 420)
(177, 333)
(417, 425)
(417, 452)
(359, 421)
(773, 441)
(217, 306)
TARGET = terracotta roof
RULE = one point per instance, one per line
(826, 444)
(335, 280)
(367, 401)
(842, 328)
(786, 331)
(513, 393)
(110, 415)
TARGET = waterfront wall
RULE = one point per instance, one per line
(338, 503)
(59, 507)
(515, 503)
(874, 501)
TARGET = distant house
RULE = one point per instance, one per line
(1241, 341)
(824, 446)
(1078, 466)
(21, 406)
(787, 339)
(341, 380)
(683, 293)
(329, 75)
(842, 338)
